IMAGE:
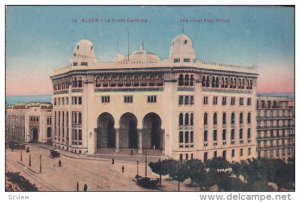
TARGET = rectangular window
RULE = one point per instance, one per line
(152, 99)
(176, 60)
(105, 99)
(215, 100)
(241, 101)
(232, 134)
(186, 137)
(224, 100)
(249, 151)
(215, 135)
(232, 153)
(215, 154)
(205, 100)
(232, 101)
(180, 100)
(241, 134)
(241, 152)
(67, 101)
(181, 137)
(192, 100)
(79, 100)
(192, 137)
(128, 99)
(205, 136)
(248, 101)
(224, 135)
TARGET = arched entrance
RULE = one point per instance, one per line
(152, 132)
(106, 131)
(35, 134)
(128, 131)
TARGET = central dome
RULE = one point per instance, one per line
(182, 49)
(143, 56)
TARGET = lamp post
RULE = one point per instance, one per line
(146, 163)
(29, 163)
(137, 167)
(40, 163)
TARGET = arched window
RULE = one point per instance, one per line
(241, 118)
(151, 80)
(217, 82)
(205, 119)
(113, 81)
(207, 81)
(160, 80)
(213, 82)
(74, 84)
(181, 119)
(120, 81)
(223, 83)
(180, 80)
(192, 80)
(105, 81)
(231, 82)
(251, 84)
(234, 83)
(136, 80)
(249, 118)
(186, 80)
(79, 82)
(98, 81)
(192, 119)
(232, 118)
(215, 119)
(186, 119)
(243, 83)
(224, 118)
(128, 81)
(144, 81)
(203, 81)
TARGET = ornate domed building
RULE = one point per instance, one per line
(176, 107)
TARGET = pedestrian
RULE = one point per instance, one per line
(112, 161)
(77, 186)
(123, 168)
(59, 163)
(85, 187)
(131, 152)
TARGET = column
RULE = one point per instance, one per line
(140, 138)
(117, 140)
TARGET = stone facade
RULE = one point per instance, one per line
(180, 106)
(276, 127)
(29, 122)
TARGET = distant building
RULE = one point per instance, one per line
(180, 107)
(30, 122)
(275, 127)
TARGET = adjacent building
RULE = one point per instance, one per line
(179, 107)
(30, 122)
(275, 127)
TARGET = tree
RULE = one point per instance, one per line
(162, 167)
(195, 169)
(179, 173)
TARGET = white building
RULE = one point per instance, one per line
(29, 122)
(179, 107)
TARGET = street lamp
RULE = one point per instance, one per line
(40, 163)
(21, 158)
(137, 167)
(29, 163)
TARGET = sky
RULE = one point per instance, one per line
(41, 38)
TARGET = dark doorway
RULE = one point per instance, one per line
(35, 135)
(152, 132)
(49, 133)
(128, 131)
(106, 134)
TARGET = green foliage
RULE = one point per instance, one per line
(23, 183)
(257, 173)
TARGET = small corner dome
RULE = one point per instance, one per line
(182, 48)
(83, 54)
